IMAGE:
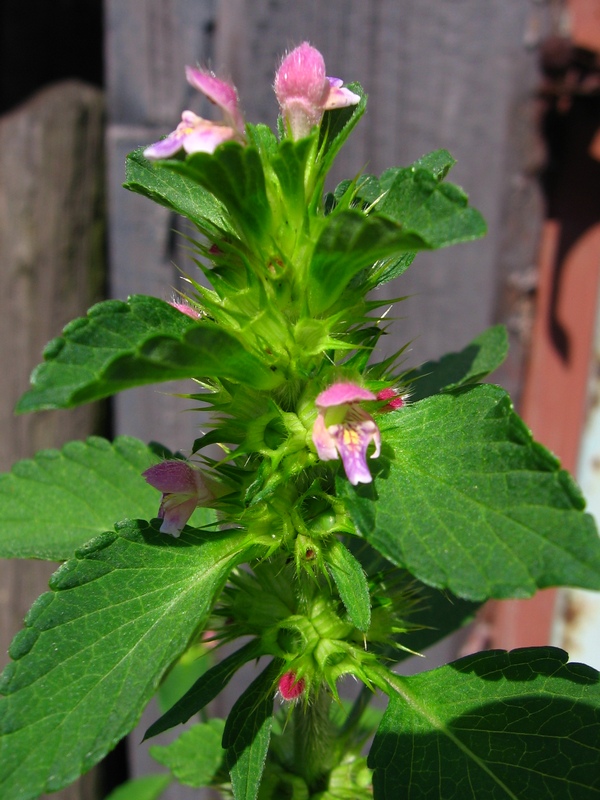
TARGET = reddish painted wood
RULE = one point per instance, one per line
(556, 386)
(585, 23)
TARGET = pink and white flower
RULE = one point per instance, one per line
(343, 428)
(304, 92)
(195, 134)
(183, 488)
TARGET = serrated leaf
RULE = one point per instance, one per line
(430, 614)
(473, 363)
(175, 191)
(351, 584)
(196, 756)
(436, 212)
(438, 162)
(289, 164)
(248, 733)
(350, 242)
(150, 787)
(495, 725)
(95, 647)
(121, 345)
(466, 500)
(234, 175)
(389, 268)
(56, 501)
(205, 689)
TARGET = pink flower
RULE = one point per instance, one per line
(291, 687)
(220, 93)
(195, 134)
(304, 92)
(343, 427)
(396, 400)
(183, 489)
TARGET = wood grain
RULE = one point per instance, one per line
(52, 254)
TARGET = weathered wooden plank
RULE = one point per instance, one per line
(148, 45)
(51, 251)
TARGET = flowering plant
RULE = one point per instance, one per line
(341, 513)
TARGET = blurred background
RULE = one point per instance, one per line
(511, 89)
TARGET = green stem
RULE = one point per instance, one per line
(313, 738)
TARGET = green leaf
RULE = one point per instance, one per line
(438, 162)
(234, 175)
(337, 126)
(389, 268)
(150, 787)
(351, 583)
(95, 647)
(466, 500)
(205, 689)
(196, 756)
(431, 614)
(184, 673)
(437, 615)
(248, 733)
(350, 242)
(523, 725)
(56, 501)
(175, 191)
(121, 345)
(477, 360)
(436, 212)
(289, 164)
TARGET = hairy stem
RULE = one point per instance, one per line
(313, 738)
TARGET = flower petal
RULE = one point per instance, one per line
(173, 476)
(341, 393)
(340, 98)
(221, 93)
(353, 440)
(166, 147)
(207, 137)
(185, 308)
(323, 440)
(175, 512)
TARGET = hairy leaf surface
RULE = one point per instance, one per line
(196, 756)
(505, 726)
(145, 340)
(58, 500)
(467, 501)
(95, 647)
(248, 733)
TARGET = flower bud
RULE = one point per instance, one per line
(290, 686)
(183, 489)
(304, 91)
